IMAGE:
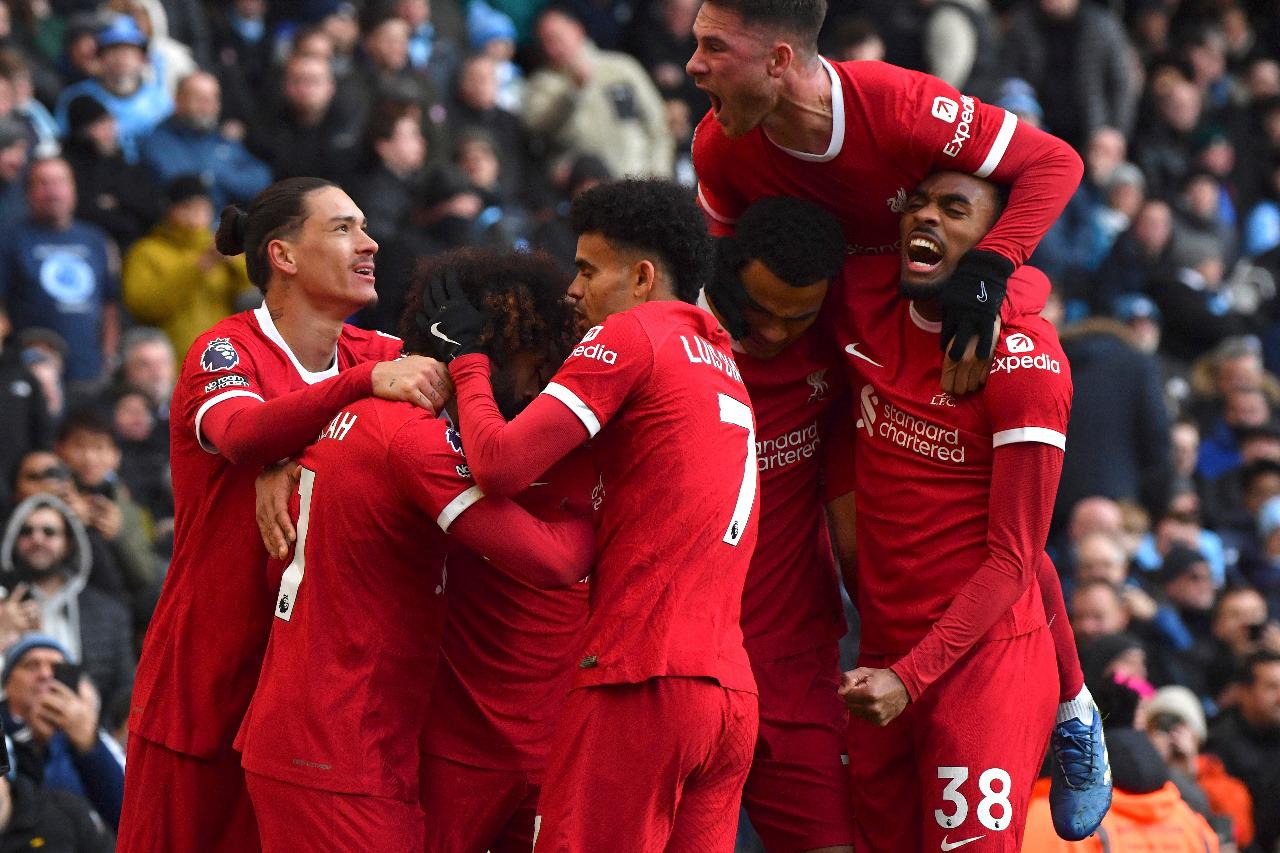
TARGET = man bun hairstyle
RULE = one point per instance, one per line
(799, 242)
(276, 212)
(799, 18)
(653, 217)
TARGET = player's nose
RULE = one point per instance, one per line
(695, 65)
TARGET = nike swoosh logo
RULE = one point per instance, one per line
(435, 330)
(852, 349)
(982, 291)
(953, 845)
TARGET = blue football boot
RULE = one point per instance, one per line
(1080, 791)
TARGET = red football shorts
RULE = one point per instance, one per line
(655, 766)
(175, 801)
(293, 817)
(797, 794)
(471, 809)
(956, 768)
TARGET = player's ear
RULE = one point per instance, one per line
(644, 278)
(281, 256)
(780, 59)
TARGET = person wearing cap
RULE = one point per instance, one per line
(120, 198)
(174, 278)
(125, 84)
(191, 142)
(1176, 725)
(493, 34)
(59, 272)
(56, 728)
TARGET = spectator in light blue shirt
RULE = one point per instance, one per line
(190, 143)
(126, 84)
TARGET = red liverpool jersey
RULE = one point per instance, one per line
(792, 602)
(924, 459)
(205, 643)
(510, 648)
(891, 128)
(676, 503)
(344, 689)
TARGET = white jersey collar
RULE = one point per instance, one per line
(268, 326)
(837, 123)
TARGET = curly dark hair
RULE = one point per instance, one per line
(521, 295)
(653, 217)
(798, 241)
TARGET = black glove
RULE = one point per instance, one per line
(447, 318)
(725, 289)
(971, 301)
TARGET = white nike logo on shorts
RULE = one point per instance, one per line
(946, 845)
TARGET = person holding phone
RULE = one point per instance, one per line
(52, 711)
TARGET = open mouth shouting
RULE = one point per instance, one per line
(924, 252)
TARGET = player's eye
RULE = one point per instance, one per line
(344, 228)
(957, 212)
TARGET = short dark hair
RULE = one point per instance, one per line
(800, 18)
(654, 217)
(1256, 470)
(798, 241)
(1098, 582)
(520, 293)
(1249, 666)
(88, 419)
(276, 212)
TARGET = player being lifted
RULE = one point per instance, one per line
(257, 387)
(655, 739)
(783, 256)
(509, 648)
(331, 737)
(954, 501)
(854, 138)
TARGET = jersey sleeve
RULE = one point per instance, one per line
(220, 367)
(719, 203)
(1028, 395)
(606, 367)
(1028, 293)
(934, 123)
(431, 470)
(380, 346)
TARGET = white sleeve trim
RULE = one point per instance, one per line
(209, 404)
(711, 211)
(1038, 434)
(1001, 145)
(457, 507)
(575, 404)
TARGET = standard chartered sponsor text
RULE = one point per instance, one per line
(920, 436)
(788, 448)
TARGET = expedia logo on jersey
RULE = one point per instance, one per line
(1020, 348)
(920, 436)
(586, 349)
(219, 355)
(952, 149)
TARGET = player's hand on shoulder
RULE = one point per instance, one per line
(274, 487)
(413, 379)
(876, 695)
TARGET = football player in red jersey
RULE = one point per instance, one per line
(854, 137)
(509, 647)
(257, 387)
(655, 740)
(783, 255)
(954, 500)
(331, 737)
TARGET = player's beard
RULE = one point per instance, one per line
(921, 290)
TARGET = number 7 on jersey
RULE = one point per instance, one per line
(738, 414)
